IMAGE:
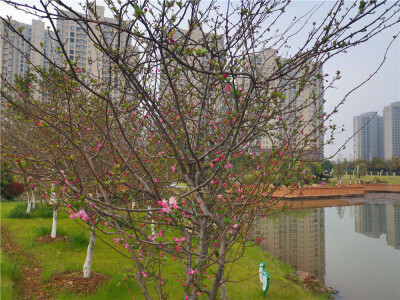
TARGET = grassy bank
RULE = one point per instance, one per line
(61, 256)
(369, 178)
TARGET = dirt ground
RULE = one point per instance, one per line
(29, 285)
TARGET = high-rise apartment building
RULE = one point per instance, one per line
(79, 45)
(303, 100)
(391, 115)
(16, 54)
(368, 136)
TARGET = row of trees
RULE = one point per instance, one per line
(374, 165)
(172, 108)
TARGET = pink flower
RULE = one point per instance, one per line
(144, 274)
(192, 272)
(211, 165)
(228, 88)
(173, 169)
(228, 166)
(235, 226)
(304, 171)
(72, 217)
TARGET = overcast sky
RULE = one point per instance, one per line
(355, 66)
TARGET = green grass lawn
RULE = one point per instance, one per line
(8, 276)
(369, 178)
(61, 257)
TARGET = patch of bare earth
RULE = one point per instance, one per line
(28, 285)
(48, 239)
(75, 283)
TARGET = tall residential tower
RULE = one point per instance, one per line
(391, 115)
(368, 136)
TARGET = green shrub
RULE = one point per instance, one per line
(46, 230)
(19, 211)
(44, 211)
(42, 231)
(79, 239)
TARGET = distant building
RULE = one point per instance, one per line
(368, 136)
(303, 92)
(391, 115)
(16, 54)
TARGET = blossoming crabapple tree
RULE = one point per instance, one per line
(154, 138)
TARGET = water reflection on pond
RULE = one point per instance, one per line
(353, 248)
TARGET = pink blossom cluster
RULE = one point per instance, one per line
(166, 205)
(321, 184)
(80, 214)
(179, 240)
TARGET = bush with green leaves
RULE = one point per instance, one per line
(19, 211)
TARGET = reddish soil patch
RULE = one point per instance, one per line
(48, 239)
(28, 285)
(74, 282)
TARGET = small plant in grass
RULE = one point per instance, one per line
(13, 190)
(19, 211)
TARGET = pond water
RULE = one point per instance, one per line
(353, 247)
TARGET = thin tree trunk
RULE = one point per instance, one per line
(54, 226)
(153, 232)
(89, 255)
(33, 200)
(218, 276)
(29, 207)
(224, 294)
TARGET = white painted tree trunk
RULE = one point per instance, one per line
(29, 207)
(224, 294)
(33, 200)
(54, 226)
(133, 203)
(89, 255)
(153, 232)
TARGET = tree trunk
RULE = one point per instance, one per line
(54, 227)
(33, 200)
(153, 232)
(224, 294)
(29, 207)
(218, 276)
(89, 255)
